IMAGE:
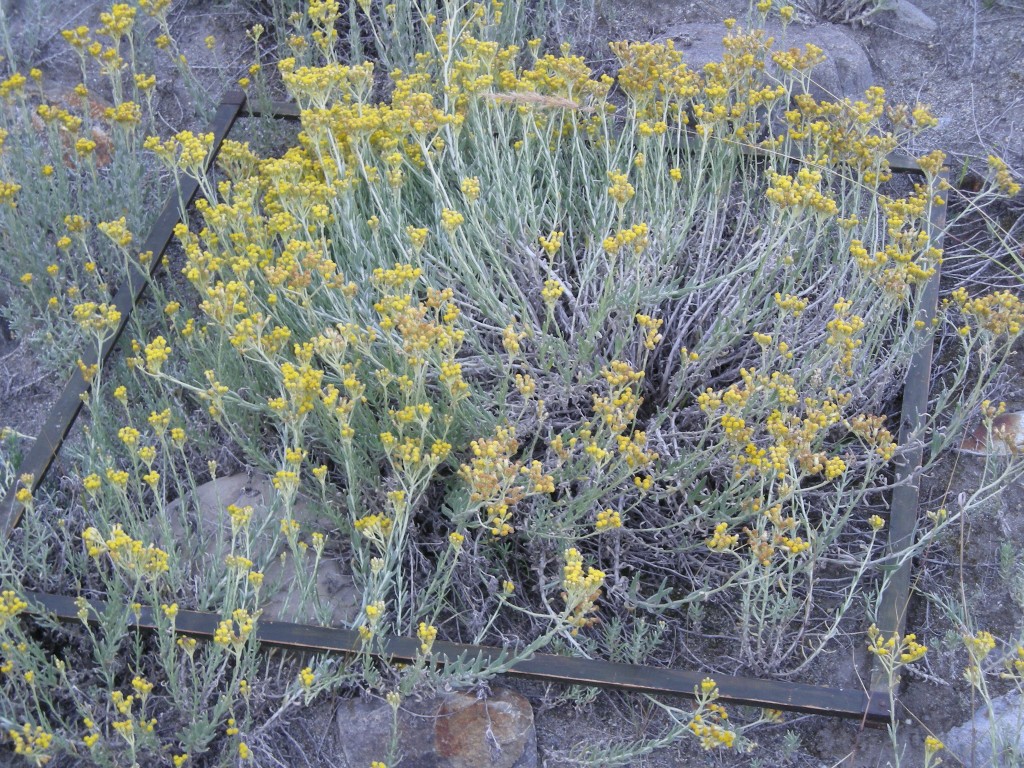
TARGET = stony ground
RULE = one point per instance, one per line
(965, 58)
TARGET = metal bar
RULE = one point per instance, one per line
(891, 616)
(901, 162)
(564, 670)
(64, 412)
(286, 110)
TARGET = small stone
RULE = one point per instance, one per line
(497, 731)
(364, 733)
(972, 742)
(458, 730)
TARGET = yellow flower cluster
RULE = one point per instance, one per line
(551, 292)
(118, 22)
(130, 554)
(979, 645)
(621, 191)
(157, 353)
(608, 519)
(635, 238)
(319, 87)
(470, 188)
(32, 742)
(1004, 181)
(551, 243)
(870, 430)
(580, 590)
(651, 327)
(907, 258)
(709, 723)
(427, 634)
(236, 631)
(996, 313)
(451, 220)
(802, 192)
(8, 190)
(894, 649)
(98, 319)
(185, 151)
(655, 78)
(10, 606)
(497, 482)
(619, 407)
(722, 540)
(841, 133)
(842, 330)
(795, 432)
(377, 528)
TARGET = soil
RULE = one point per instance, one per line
(970, 70)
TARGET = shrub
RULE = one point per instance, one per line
(553, 357)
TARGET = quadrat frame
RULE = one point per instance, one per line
(870, 706)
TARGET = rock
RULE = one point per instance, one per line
(336, 600)
(205, 519)
(364, 733)
(1006, 436)
(908, 18)
(201, 528)
(497, 731)
(845, 72)
(972, 742)
(458, 730)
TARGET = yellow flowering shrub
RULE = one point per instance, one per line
(547, 355)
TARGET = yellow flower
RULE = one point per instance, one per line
(450, 220)
(129, 436)
(607, 519)
(426, 634)
(551, 243)
(10, 606)
(621, 191)
(722, 541)
(470, 188)
(551, 292)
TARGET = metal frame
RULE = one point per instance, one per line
(891, 614)
(871, 707)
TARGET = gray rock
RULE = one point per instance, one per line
(845, 72)
(991, 740)
(201, 530)
(458, 730)
(204, 514)
(908, 18)
(365, 728)
(335, 600)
